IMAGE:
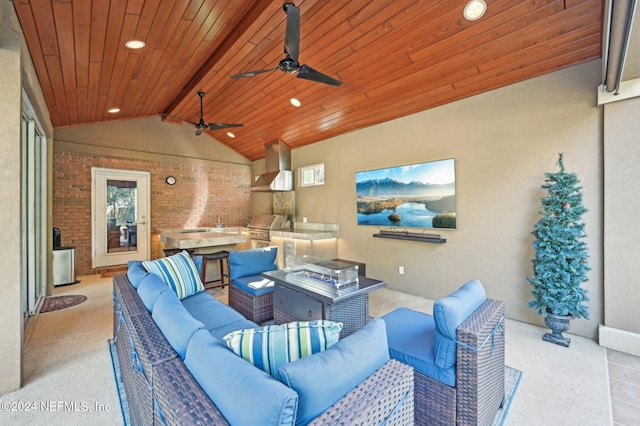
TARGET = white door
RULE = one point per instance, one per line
(120, 216)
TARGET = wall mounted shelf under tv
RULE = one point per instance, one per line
(411, 236)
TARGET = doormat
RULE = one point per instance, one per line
(56, 303)
(511, 381)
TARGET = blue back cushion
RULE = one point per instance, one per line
(244, 394)
(448, 313)
(175, 322)
(150, 289)
(323, 378)
(252, 262)
(136, 273)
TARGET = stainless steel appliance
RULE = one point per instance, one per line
(278, 175)
(64, 266)
(260, 228)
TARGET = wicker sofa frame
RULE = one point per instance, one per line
(479, 390)
(161, 391)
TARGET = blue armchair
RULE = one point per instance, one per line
(457, 355)
(249, 293)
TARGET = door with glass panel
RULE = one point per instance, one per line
(120, 216)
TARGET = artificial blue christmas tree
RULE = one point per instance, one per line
(560, 265)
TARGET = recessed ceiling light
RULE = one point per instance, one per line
(135, 44)
(295, 102)
(113, 110)
(231, 135)
(474, 10)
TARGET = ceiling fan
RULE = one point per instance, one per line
(290, 63)
(201, 125)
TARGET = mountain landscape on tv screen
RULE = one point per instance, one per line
(391, 202)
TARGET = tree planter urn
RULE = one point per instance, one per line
(557, 324)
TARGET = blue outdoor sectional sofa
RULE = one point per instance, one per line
(177, 368)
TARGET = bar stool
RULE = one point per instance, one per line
(222, 257)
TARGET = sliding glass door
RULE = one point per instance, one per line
(34, 212)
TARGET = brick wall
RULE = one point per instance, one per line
(200, 195)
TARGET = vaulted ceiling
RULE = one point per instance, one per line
(394, 57)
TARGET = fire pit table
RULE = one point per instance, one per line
(325, 290)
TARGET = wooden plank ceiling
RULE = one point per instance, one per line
(394, 57)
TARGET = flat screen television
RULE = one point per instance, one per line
(419, 195)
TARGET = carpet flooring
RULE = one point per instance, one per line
(56, 303)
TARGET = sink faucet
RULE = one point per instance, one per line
(218, 224)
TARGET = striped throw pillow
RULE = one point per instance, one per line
(272, 346)
(178, 272)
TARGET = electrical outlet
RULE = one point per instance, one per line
(401, 270)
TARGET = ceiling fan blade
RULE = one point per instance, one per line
(252, 73)
(174, 118)
(292, 36)
(217, 126)
(308, 73)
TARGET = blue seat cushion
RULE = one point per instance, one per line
(323, 378)
(136, 273)
(149, 289)
(244, 394)
(411, 336)
(175, 322)
(255, 285)
(449, 312)
(217, 317)
(252, 262)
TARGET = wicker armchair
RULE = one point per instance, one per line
(478, 372)
(248, 292)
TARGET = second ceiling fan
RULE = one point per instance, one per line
(201, 125)
(290, 63)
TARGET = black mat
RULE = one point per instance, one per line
(56, 303)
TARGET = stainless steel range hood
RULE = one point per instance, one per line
(278, 175)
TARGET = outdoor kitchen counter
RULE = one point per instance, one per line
(308, 231)
(202, 238)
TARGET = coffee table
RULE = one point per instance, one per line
(297, 298)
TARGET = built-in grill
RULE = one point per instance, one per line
(260, 228)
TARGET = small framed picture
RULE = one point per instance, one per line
(311, 175)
